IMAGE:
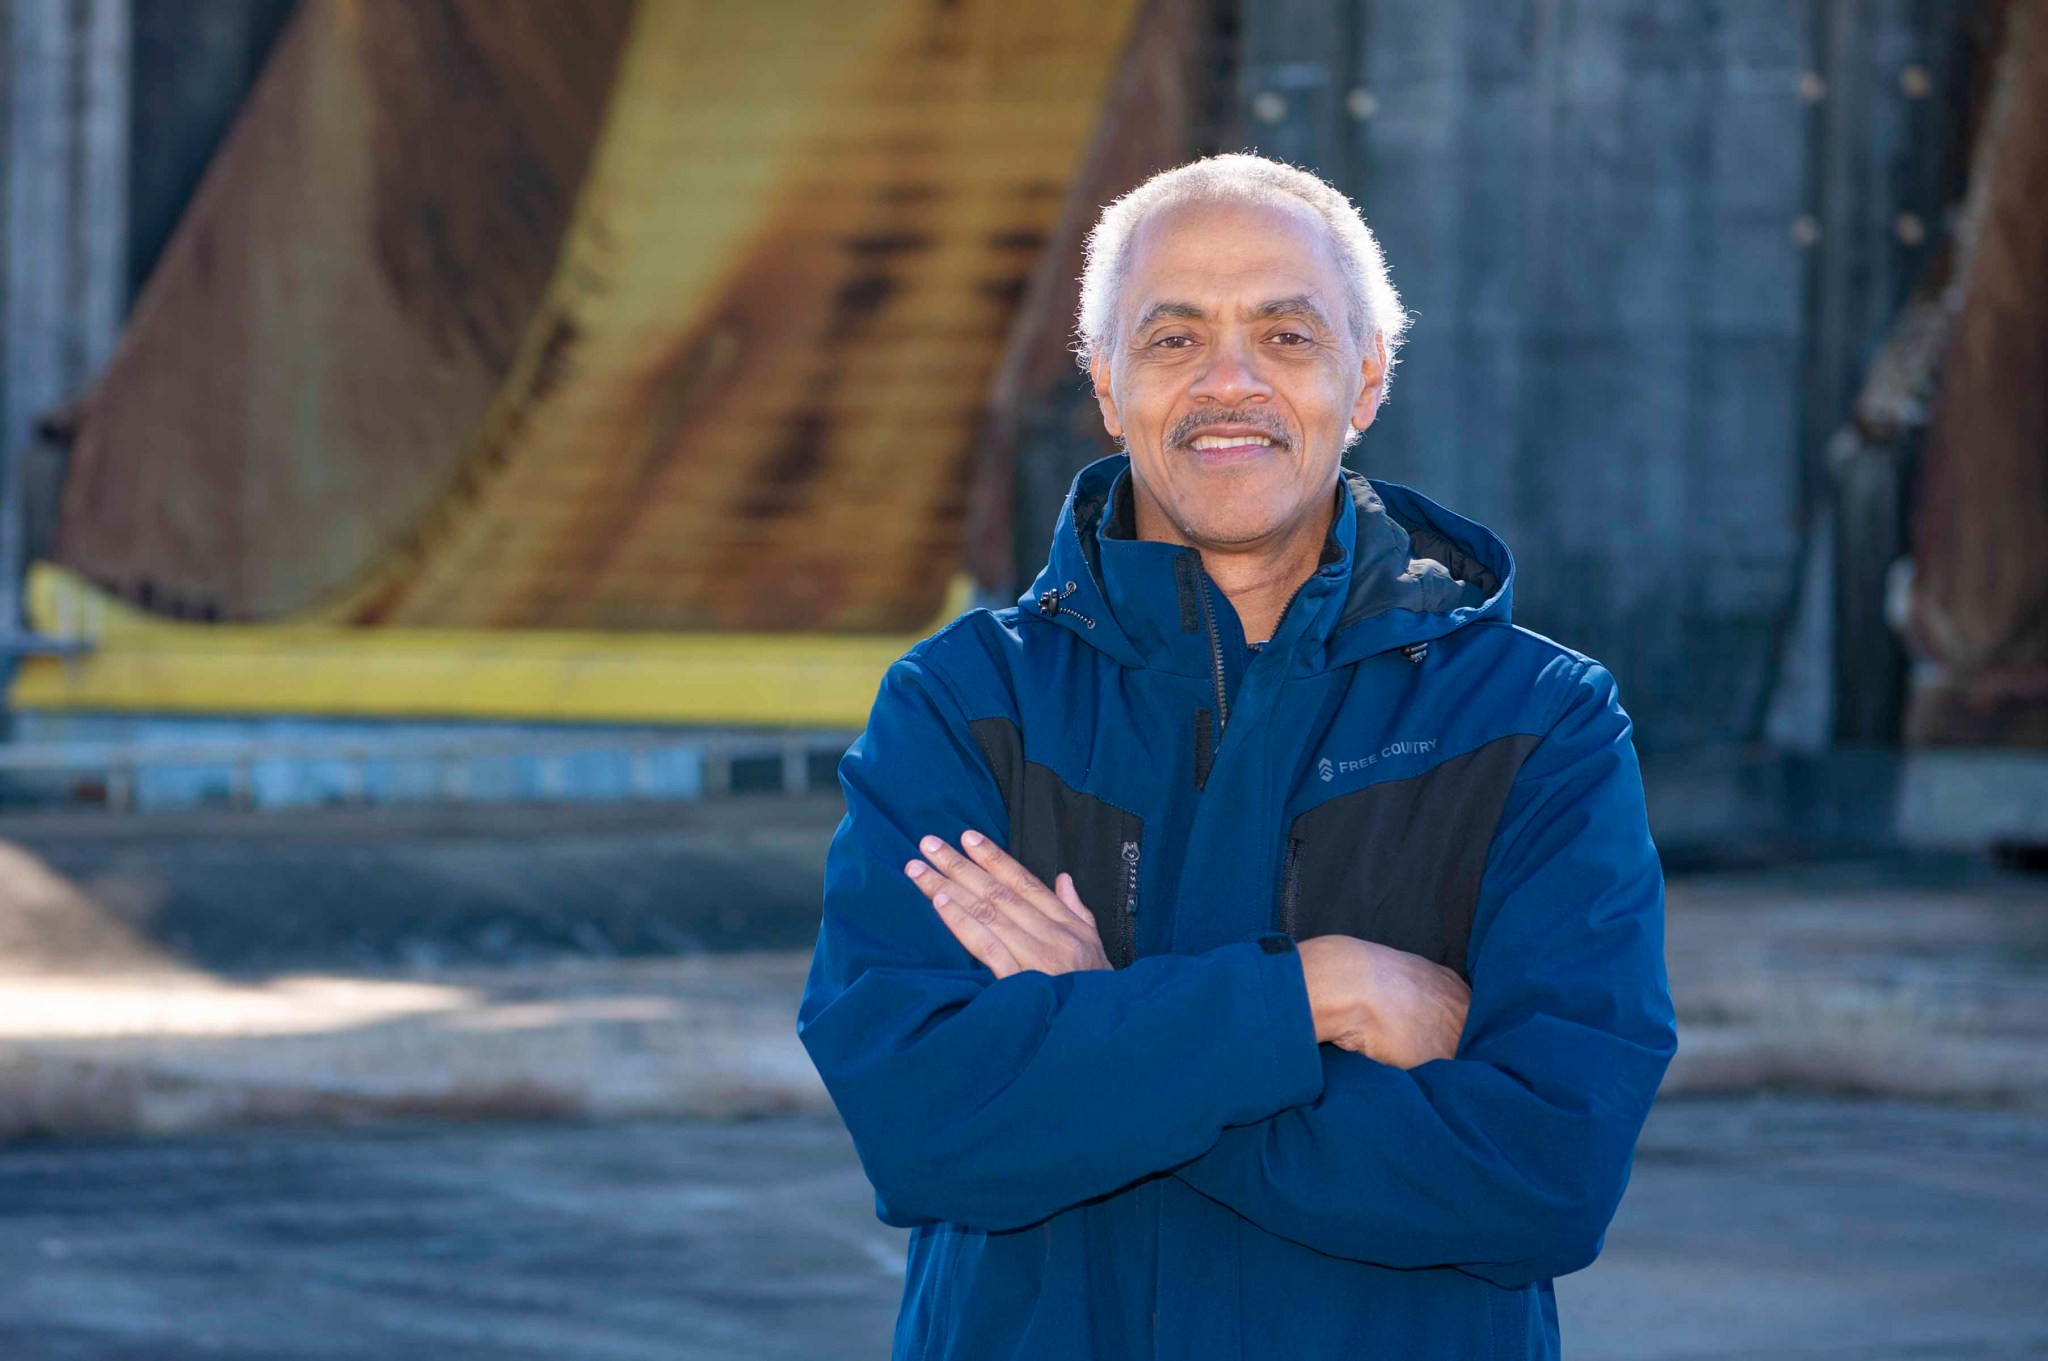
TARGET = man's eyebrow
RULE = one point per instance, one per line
(1295, 305)
(1177, 311)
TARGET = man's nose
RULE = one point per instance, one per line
(1232, 374)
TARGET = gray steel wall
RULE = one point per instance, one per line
(63, 238)
(1607, 219)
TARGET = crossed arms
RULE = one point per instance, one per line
(993, 1073)
(1371, 999)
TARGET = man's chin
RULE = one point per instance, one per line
(1232, 531)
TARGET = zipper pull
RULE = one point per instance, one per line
(1130, 854)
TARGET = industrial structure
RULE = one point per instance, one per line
(643, 369)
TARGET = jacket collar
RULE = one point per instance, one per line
(1397, 569)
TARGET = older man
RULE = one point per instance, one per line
(1320, 1007)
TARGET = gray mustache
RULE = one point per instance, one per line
(1185, 431)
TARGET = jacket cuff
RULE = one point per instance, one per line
(1297, 1060)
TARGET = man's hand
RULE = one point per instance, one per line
(1003, 913)
(1384, 1003)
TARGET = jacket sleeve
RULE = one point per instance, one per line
(996, 1103)
(1509, 1159)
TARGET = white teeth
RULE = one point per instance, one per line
(1227, 441)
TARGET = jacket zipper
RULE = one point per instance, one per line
(1290, 603)
(1216, 643)
(1127, 927)
(1200, 586)
(1215, 654)
(1290, 886)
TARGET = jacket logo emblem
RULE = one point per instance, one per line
(1330, 770)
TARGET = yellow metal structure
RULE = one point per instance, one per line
(138, 663)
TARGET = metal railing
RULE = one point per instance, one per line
(118, 769)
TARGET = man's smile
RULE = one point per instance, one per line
(1222, 445)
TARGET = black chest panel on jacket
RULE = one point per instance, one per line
(1399, 862)
(1054, 827)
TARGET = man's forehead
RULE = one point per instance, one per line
(1210, 259)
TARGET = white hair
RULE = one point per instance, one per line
(1372, 305)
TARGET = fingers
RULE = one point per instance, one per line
(1006, 869)
(1033, 910)
(999, 864)
(1003, 914)
(976, 925)
(975, 936)
(992, 931)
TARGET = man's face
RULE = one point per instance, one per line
(1234, 373)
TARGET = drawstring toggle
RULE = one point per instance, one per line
(1049, 602)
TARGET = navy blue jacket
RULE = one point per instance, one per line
(1158, 1159)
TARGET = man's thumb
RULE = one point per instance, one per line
(1063, 886)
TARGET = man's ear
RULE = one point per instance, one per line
(1098, 373)
(1373, 371)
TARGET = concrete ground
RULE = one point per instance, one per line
(1769, 1228)
(665, 1178)
(461, 971)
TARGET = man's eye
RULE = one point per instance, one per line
(1168, 342)
(1294, 336)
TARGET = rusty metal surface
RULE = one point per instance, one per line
(732, 379)
(339, 302)
(750, 398)
(1979, 599)
(1154, 118)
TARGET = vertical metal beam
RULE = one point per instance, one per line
(103, 59)
(65, 228)
(1837, 278)
(1871, 186)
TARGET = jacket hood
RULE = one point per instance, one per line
(1397, 569)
